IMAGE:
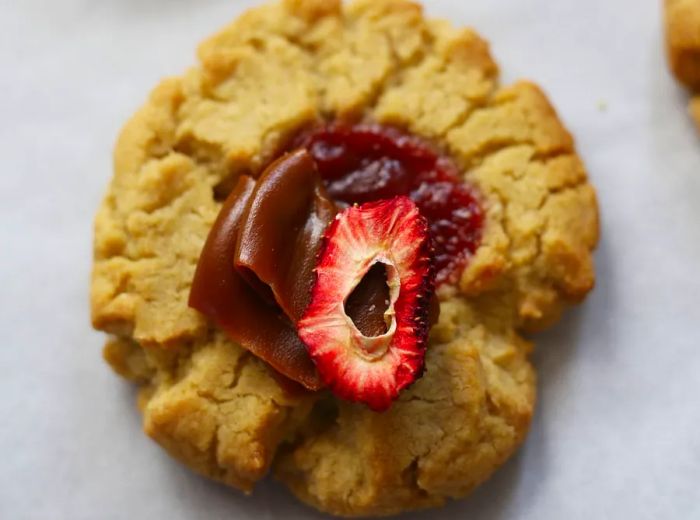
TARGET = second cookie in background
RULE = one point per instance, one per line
(683, 46)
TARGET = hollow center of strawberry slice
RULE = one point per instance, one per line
(364, 163)
(368, 302)
(373, 331)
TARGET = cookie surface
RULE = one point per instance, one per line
(683, 46)
(275, 70)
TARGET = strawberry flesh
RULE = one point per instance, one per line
(371, 369)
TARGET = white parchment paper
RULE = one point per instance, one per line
(617, 429)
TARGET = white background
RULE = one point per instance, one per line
(617, 430)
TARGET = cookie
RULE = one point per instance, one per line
(683, 45)
(278, 69)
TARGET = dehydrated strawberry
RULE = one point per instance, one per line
(356, 367)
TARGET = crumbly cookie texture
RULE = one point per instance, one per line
(683, 45)
(273, 71)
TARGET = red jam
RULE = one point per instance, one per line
(363, 163)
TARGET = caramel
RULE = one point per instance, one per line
(279, 240)
(220, 292)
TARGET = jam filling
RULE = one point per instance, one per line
(364, 163)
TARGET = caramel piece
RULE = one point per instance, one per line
(222, 294)
(279, 241)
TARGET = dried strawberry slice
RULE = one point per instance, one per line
(356, 367)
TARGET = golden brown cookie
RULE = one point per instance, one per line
(683, 45)
(275, 70)
(683, 40)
